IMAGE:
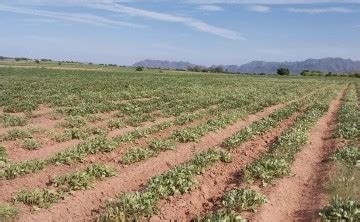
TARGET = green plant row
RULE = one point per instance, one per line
(135, 205)
(220, 215)
(155, 147)
(14, 134)
(7, 212)
(63, 185)
(262, 126)
(267, 123)
(349, 116)
(3, 156)
(343, 185)
(12, 120)
(79, 152)
(277, 163)
(341, 209)
(189, 134)
(194, 133)
(79, 133)
(233, 202)
(349, 154)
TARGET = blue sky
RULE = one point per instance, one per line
(198, 31)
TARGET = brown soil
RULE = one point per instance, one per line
(223, 177)
(298, 198)
(81, 204)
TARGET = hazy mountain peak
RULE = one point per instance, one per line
(328, 64)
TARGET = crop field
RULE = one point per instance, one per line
(121, 145)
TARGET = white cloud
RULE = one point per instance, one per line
(259, 8)
(211, 8)
(321, 10)
(188, 21)
(73, 17)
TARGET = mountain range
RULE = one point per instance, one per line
(335, 65)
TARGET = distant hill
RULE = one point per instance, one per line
(163, 64)
(335, 65)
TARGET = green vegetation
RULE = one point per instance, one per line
(243, 199)
(225, 216)
(344, 184)
(74, 122)
(348, 155)
(283, 71)
(11, 120)
(115, 124)
(31, 144)
(276, 163)
(261, 126)
(155, 147)
(349, 118)
(177, 107)
(81, 180)
(7, 212)
(133, 206)
(341, 210)
(3, 155)
(17, 169)
(14, 134)
(42, 198)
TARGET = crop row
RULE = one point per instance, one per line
(133, 206)
(233, 202)
(344, 182)
(190, 134)
(136, 205)
(259, 168)
(277, 163)
(101, 144)
(63, 185)
(91, 146)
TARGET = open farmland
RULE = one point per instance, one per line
(121, 145)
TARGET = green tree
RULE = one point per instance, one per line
(283, 71)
